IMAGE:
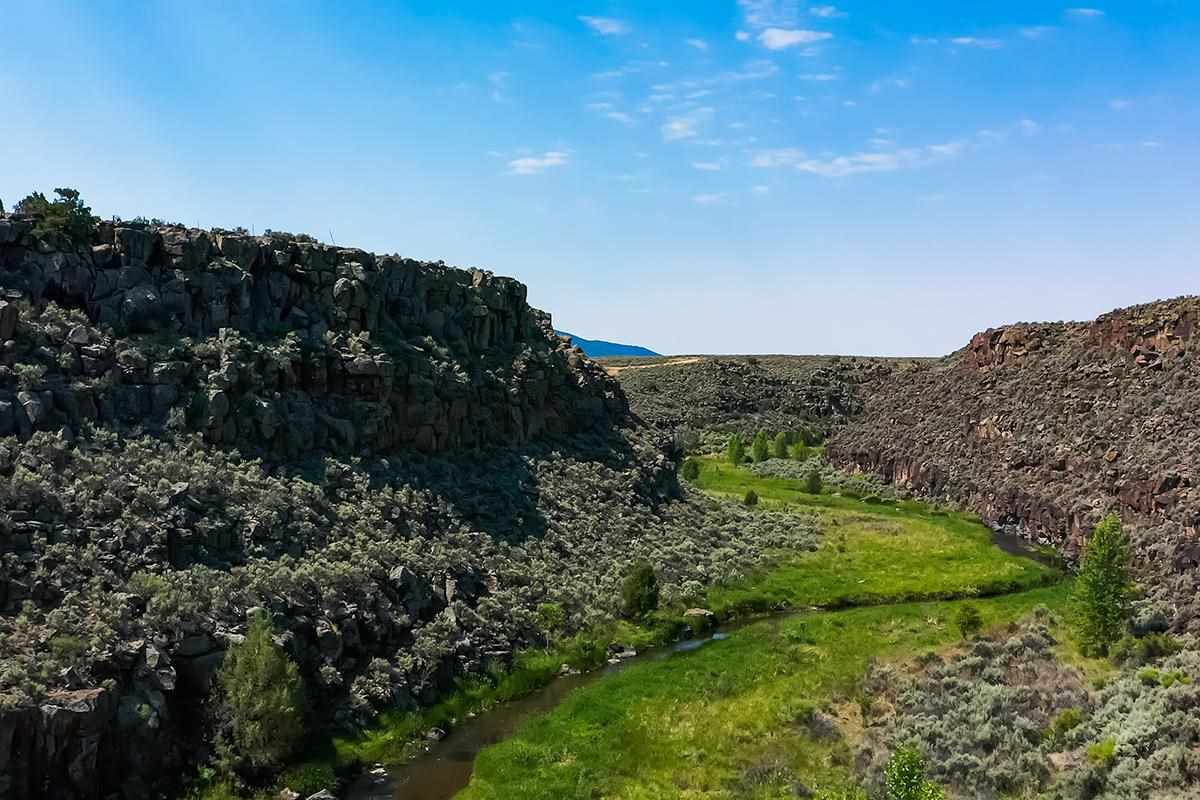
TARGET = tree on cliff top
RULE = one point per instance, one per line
(67, 214)
(1103, 590)
(261, 702)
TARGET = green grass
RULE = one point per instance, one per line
(696, 724)
(708, 723)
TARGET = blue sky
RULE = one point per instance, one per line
(716, 176)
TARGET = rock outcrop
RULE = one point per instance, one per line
(1046, 427)
(280, 345)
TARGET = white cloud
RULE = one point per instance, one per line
(974, 41)
(833, 166)
(498, 81)
(826, 12)
(531, 165)
(607, 26)
(781, 38)
(1029, 127)
(1152, 144)
(620, 116)
(707, 166)
(1119, 104)
(685, 126)
(889, 83)
(707, 199)
(819, 77)
(1037, 31)
(924, 40)
(770, 13)
(750, 71)
(1085, 13)
(699, 44)
(761, 189)
(742, 36)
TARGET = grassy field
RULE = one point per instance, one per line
(728, 720)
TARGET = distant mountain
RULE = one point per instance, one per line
(597, 348)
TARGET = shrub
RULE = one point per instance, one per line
(760, 450)
(751, 498)
(905, 778)
(1103, 590)
(779, 448)
(1135, 651)
(639, 592)
(1103, 753)
(691, 470)
(968, 620)
(1066, 721)
(262, 699)
(800, 451)
(309, 778)
(67, 214)
(551, 618)
(812, 482)
(735, 450)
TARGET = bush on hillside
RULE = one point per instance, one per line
(779, 447)
(67, 215)
(691, 470)
(968, 620)
(905, 778)
(639, 592)
(812, 482)
(751, 498)
(735, 450)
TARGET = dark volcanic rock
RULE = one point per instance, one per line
(1047, 427)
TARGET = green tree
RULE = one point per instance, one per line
(905, 778)
(735, 450)
(760, 449)
(1103, 590)
(779, 448)
(639, 592)
(261, 700)
(968, 620)
(551, 618)
(812, 482)
(66, 215)
(800, 452)
(751, 498)
(691, 470)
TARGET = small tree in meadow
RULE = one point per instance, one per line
(812, 482)
(800, 451)
(760, 449)
(751, 498)
(691, 470)
(735, 450)
(1103, 590)
(968, 620)
(779, 448)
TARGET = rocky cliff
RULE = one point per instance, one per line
(279, 345)
(1046, 427)
(380, 452)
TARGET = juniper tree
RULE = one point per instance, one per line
(780, 446)
(735, 450)
(760, 449)
(1103, 590)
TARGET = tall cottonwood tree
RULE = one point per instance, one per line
(1103, 590)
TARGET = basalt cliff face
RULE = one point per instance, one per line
(281, 345)
(1046, 427)
(378, 452)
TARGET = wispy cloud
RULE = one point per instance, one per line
(770, 13)
(742, 36)
(1085, 13)
(685, 126)
(707, 166)
(924, 40)
(750, 71)
(1029, 127)
(761, 188)
(819, 77)
(826, 12)
(531, 165)
(1119, 104)
(835, 166)
(1035, 32)
(707, 199)
(889, 83)
(782, 38)
(499, 81)
(975, 41)
(699, 44)
(607, 26)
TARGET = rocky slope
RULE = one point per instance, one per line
(1046, 427)
(747, 393)
(397, 460)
